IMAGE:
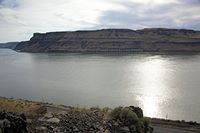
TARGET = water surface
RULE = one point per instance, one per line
(163, 85)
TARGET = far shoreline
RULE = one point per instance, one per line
(122, 53)
(115, 53)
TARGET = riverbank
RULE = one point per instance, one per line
(46, 117)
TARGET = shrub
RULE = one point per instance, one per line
(131, 117)
(127, 116)
(115, 113)
(146, 122)
(106, 110)
(139, 126)
(133, 128)
(138, 111)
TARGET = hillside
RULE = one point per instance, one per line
(114, 40)
(10, 45)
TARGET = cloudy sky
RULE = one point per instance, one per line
(19, 19)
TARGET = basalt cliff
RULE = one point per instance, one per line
(114, 40)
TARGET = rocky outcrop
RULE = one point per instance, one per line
(93, 120)
(72, 121)
(114, 40)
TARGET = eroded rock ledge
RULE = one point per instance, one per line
(114, 40)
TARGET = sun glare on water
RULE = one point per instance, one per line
(149, 105)
(152, 90)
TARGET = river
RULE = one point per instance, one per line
(163, 85)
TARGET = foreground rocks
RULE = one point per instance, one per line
(76, 120)
(12, 123)
(89, 121)
(73, 121)
(37, 117)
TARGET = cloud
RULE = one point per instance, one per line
(175, 14)
(8, 4)
(19, 19)
(49, 15)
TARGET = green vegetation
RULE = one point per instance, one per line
(128, 116)
(115, 114)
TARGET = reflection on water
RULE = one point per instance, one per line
(152, 77)
(150, 105)
(160, 84)
(152, 84)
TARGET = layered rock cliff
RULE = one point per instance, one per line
(114, 40)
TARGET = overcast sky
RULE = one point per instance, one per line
(19, 19)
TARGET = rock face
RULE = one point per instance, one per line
(114, 40)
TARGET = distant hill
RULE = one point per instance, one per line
(114, 40)
(10, 45)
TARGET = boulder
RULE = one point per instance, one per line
(53, 120)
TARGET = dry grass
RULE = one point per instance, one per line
(30, 108)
